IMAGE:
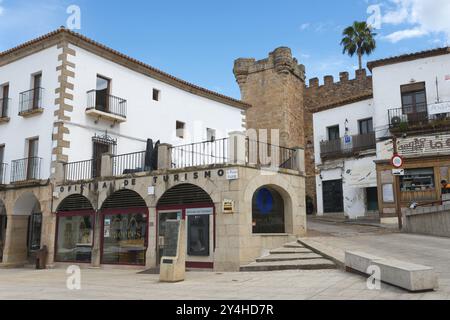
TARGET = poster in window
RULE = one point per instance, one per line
(388, 193)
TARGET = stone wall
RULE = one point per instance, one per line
(280, 99)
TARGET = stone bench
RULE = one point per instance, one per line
(409, 276)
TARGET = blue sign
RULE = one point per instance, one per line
(264, 201)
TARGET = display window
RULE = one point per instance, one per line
(124, 236)
(75, 237)
(268, 211)
(418, 180)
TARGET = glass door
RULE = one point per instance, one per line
(102, 94)
(163, 216)
(34, 233)
(37, 83)
(33, 162)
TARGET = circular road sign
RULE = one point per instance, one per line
(397, 161)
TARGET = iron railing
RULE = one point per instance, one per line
(4, 105)
(26, 169)
(269, 155)
(107, 103)
(129, 163)
(31, 100)
(200, 154)
(3, 170)
(414, 116)
(348, 146)
(82, 170)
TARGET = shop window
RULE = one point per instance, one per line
(267, 211)
(124, 238)
(75, 238)
(418, 180)
(198, 235)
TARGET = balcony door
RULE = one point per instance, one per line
(2, 166)
(37, 84)
(99, 150)
(102, 94)
(32, 159)
(414, 102)
(4, 101)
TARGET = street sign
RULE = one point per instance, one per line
(397, 161)
(398, 172)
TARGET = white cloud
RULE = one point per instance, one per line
(304, 26)
(1, 8)
(423, 17)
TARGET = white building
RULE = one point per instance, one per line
(68, 98)
(344, 153)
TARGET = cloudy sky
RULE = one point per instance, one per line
(198, 40)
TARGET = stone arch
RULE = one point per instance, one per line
(26, 205)
(184, 194)
(123, 199)
(285, 190)
(75, 202)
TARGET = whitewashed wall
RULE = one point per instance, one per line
(388, 79)
(356, 174)
(14, 134)
(145, 118)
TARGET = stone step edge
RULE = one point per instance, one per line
(326, 252)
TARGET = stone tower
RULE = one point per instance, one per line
(274, 87)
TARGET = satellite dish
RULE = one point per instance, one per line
(396, 121)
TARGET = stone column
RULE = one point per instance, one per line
(15, 252)
(96, 249)
(60, 174)
(236, 148)
(299, 157)
(164, 156)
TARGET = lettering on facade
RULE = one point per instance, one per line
(432, 144)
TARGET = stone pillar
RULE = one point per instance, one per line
(236, 148)
(60, 175)
(299, 157)
(106, 170)
(96, 249)
(15, 252)
(164, 156)
(48, 235)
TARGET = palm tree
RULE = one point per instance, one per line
(359, 39)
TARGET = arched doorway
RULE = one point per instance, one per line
(193, 204)
(74, 230)
(3, 222)
(26, 221)
(268, 211)
(124, 225)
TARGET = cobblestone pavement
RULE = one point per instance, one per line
(291, 285)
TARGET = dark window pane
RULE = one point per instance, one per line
(268, 211)
(198, 235)
(333, 133)
(124, 239)
(75, 239)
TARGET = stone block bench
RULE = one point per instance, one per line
(409, 276)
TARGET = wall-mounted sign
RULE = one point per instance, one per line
(388, 193)
(438, 108)
(425, 145)
(398, 172)
(228, 206)
(151, 190)
(232, 174)
(397, 161)
(199, 211)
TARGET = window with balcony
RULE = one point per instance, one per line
(102, 92)
(365, 126)
(333, 133)
(414, 102)
(2, 165)
(4, 103)
(31, 101)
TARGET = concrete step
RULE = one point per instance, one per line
(289, 257)
(290, 251)
(310, 264)
(293, 245)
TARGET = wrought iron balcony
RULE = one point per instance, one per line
(4, 106)
(3, 169)
(348, 146)
(31, 102)
(417, 118)
(106, 106)
(28, 169)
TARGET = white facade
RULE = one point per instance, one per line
(387, 81)
(145, 118)
(357, 174)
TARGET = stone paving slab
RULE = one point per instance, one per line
(290, 251)
(309, 264)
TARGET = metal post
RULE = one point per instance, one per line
(398, 205)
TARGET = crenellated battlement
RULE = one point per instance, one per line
(344, 79)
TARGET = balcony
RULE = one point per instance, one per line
(30, 103)
(106, 106)
(4, 106)
(26, 170)
(418, 118)
(348, 146)
(3, 168)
